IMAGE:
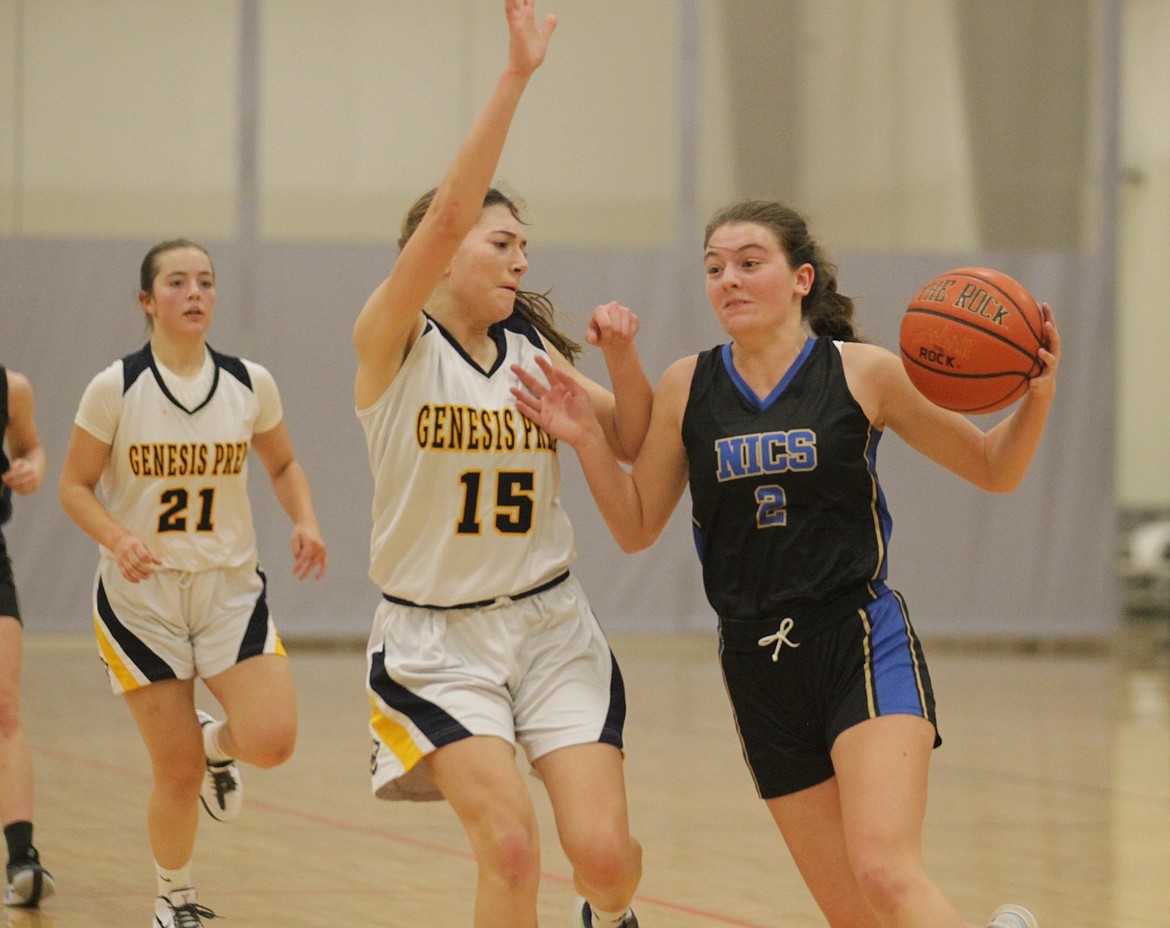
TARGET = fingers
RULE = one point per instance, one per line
(21, 477)
(612, 325)
(309, 554)
(530, 383)
(135, 561)
(531, 393)
(1050, 350)
(529, 42)
(527, 406)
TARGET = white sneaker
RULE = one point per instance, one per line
(222, 793)
(1012, 916)
(28, 883)
(178, 909)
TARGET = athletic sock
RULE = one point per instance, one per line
(170, 880)
(608, 919)
(19, 838)
(211, 746)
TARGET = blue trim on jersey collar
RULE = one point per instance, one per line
(748, 393)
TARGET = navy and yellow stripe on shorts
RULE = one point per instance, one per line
(406, 714)
(138, 649)
(127, 658)
(792, 696)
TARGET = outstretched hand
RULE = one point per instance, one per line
(561, 407)
(527, 41)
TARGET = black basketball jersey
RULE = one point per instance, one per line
(788, 516)
(5, 492)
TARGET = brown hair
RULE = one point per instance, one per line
(149, 269)
(534, 308)
(827, 312)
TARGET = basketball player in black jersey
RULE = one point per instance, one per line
(776, 433)
(22, 468)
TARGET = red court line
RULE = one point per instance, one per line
(381, 833)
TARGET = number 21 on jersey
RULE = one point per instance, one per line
(178, 508)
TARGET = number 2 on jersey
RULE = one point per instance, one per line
(772, 506)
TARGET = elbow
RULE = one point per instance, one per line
(633, 542)
(449, 215)
(1002, 486)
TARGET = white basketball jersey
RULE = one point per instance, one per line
(177, 476)
(466, 490)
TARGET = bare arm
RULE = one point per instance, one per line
(635, 504)
(25, 452)
(85, 459)
(996, 460)
(291, 486)
(392, 317)
(624, 414)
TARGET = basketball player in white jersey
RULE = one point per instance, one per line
(179, 593)
(484, 640)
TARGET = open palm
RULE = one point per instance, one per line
(561, 407)
(527, 41)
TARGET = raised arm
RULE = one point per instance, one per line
(392, 317)
(624, 414)
(635, 504)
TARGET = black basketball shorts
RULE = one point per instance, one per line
(9, 604)
(792, 700)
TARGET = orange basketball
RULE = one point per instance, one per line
(970, 339)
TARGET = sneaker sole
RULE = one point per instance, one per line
(28, 889)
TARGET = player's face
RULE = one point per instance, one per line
(486, 271)
(749, 281)
(181, 302)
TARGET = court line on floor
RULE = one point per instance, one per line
(317, 819)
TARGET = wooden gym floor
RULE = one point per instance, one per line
(1052, 789)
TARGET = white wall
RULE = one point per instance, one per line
(1143, 446)
(118, 127)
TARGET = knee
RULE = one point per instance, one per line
(510, 854)
(606, 859)
(268, 746)
(884, 883)
(181, 775)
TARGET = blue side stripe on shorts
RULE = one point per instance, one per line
(895, 656)
(151, 665)
(433, 721)
(256, 633)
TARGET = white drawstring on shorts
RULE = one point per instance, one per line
(780, 638)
